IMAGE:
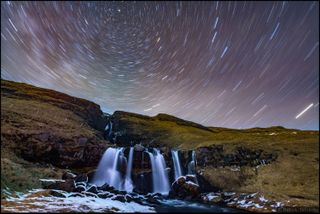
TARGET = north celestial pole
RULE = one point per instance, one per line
(229, 64)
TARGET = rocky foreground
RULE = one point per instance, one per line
(45, 134)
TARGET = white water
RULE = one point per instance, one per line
(176, 164)
(110, 130)
(159, 173)
(128, 186)
(108, 127)
(107, 169)
(192, 164)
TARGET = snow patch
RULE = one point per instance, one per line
(86, 204)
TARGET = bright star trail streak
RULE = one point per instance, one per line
(306, 109)
(226, 64)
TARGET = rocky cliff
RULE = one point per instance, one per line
(43, 129)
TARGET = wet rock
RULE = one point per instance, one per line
(122, 192)
(133, 194)
(119, 198)
(57, 193)
(67, 185)
(77, 194)
(105, 195)
(122, 164)
(128, 198)
(90, 175)
(93, 189)
(152, 200)
(68, 175)
(182, 189)
(90, 194)
(80, 188)
(156, 195)
(106, 187)
(212, 198)
(81, 178)
(138, 148)
(48, 183)
(191, 178)
(81, 184)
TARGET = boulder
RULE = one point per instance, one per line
(128, 198)
(67, 185)
(138, 148)
(58, 193)
(192, 178)
(105, 195)
(183, 189)
(90, 194)
(119, 198)
(80, 188)
(68, 175)
(106, 187)
(93, 189)
(77, 194)
(152, 200)
(212, 198)
(81, 178)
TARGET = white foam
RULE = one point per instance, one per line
(86, 204)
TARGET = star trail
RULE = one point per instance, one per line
(228, 64)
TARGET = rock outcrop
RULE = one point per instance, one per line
(185, 187)
(42, 128)
(43, 125)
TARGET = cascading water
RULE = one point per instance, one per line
(192, 166)
(115, 169)
(128, 186)
(107, 169)
(159, 173)
(176, 164)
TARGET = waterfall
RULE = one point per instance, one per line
(109, 127)
(159, 173)
(128, 186)
(110, 168)
(176, 164)
(110, 130)
(192, 164)
(107, 169)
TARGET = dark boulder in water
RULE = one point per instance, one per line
(183, 188)
(57, 193)
(65, 185)
(119, 198)
(68, 175)
(80, 188)
(93, 189)
(81, 178)
(106, 187)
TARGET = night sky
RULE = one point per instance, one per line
(227, 64)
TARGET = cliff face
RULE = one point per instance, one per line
(40, 126)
